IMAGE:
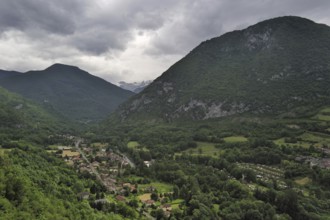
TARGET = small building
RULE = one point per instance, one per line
(149, 202)
(95, 164)
(166, 207)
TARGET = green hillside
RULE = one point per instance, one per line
(276, 66)
(37, 185)
(68, 91)
(22, 118)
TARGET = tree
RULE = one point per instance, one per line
(15, 190)
(154, 196)
(287, 202)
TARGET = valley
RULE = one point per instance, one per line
(237, 129)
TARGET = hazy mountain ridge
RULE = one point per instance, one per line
(274, 66)
(68, 90)
(135, 87)
(5, 74)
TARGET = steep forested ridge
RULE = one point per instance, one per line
(273, 67)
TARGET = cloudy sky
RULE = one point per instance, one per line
(130, 40)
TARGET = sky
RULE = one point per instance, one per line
(128, 40)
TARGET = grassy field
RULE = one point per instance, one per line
(2, 151)
(99, 145)
(303, 144)
(145, 197)
(303, 181)
(175, 203)
(323, 115)
(133, 144)
(316, 138)
(307, 139)
(136, 145)
(235, 139)
(70, 153)
(204, 148)
(161, 187)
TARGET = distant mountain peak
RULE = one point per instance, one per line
(61, 67)
(134, 86)
(69, 91)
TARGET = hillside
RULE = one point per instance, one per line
(22, 118)
(276, 66)
(69, 91)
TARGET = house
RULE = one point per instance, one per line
(166, 207)
(149, 202)
(129, 186)
(147, 163)
(95, 164)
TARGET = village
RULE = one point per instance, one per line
(108, 167)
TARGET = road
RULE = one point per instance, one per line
(126, 159)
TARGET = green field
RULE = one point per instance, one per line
(204, 148)
(161, 187)
(323, 115)
(235, 139)
(303, 144)
(133, 144)
(136, 145)
(175, 203)
(98, 145)
(318, 139)
(2, 151)
(303, 181)
(145, 197)
(307, 139)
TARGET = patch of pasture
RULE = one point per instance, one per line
(235, 139)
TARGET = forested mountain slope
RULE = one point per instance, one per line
(276, 66)
(68, 90)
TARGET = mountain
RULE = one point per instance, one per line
(69, 91)
(277, 66)
(135, 87)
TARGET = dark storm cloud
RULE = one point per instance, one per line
(97, 27)
(199, 20)
(91, 28)
(39, 15)
(128, 36)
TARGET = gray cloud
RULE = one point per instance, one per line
(127, 39)
(37, 15)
